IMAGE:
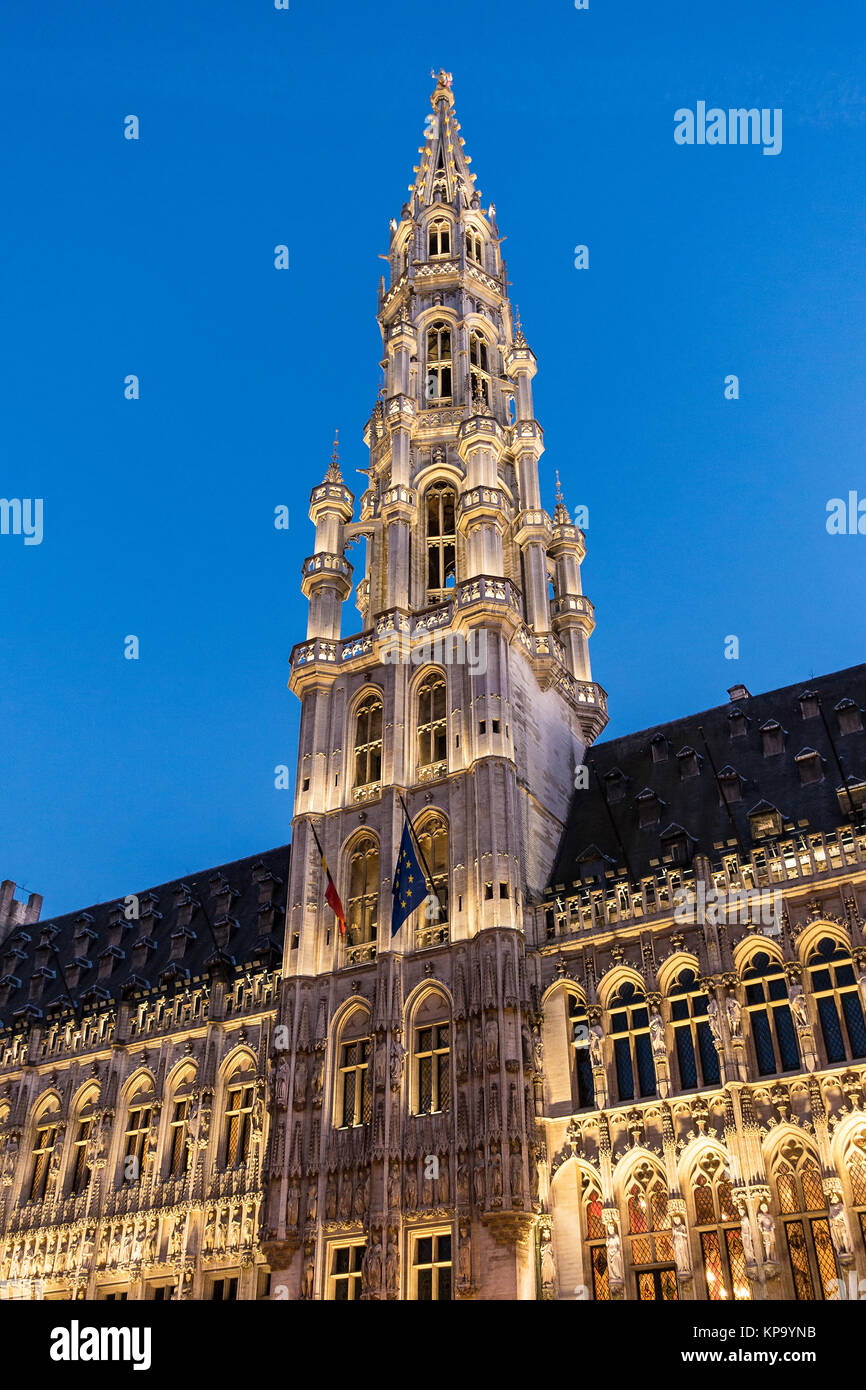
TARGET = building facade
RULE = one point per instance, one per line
(619, 1050)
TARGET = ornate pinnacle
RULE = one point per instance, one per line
(519, 340)
(561, 515)
(333, 475)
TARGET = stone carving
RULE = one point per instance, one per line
(839, 1229)
(596, 1046)
(714, 1021)
(657, 1036)
(746, 1234)
(398, 1053)
(767, 1227)
(682, 1253)
(548, 1262)
(614, 1251)
(491, 1039)
(734, 1012)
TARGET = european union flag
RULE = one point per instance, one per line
(410, 886)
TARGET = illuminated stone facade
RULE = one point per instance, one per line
(557, 1079)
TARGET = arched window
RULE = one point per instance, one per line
(479, 369)
(432, 835)
(368, 742)
(81, 1135)
(717, 1222)
(44, 1141)
(431, 1056)
(770, 1015)
(473, 246)
(238, 1121)
(139, 1117)
(649, 1226)
(834, 986)
(353, 1100)
(596, 1243)
(432, 732)
(629, 1024)
(696, 1052)
(440, 238)
(179, 1125)
(803, 1208)
(441, 542)
(439, 363)
(362, 909)
(856, 1164)
(582, 1084)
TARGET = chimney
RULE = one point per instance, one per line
(15, 914)
(738, 692)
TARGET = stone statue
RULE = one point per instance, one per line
(526, 1044)
(410, 1186)
(477, 1051)
(548, 1263)
(657, 1036)
(614, 1253)
(491, 1038)
(371, 1267)
(359, 1197)
(392, 1269)
(394, 1187)
(380, 1064)
(398, 1052)
(307, 1276)
(300, 1082)
(462, 1180)
(537, 1050)
(331, 1198)
(478, 1184)
(767, 1227)
(464, 1258)
(746, 1233)
(496, 1178)
(839, 1229)
(293, 1201)
(714, 1021)
(732, 1007)
(682, 1253)
(461, 1053)
(596, 1046)
(282, 1084)
(798, 1007)
(515, 1173)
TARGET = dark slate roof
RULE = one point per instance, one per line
(169, 941)
(694, 804)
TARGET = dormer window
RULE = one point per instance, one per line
(809, 704)
(659, 748)
(473, 246)
(648, 808)
(615, 784)
(689, 763)
(852, 792)
(731, 784)
(440, 238)
(850, 717)
(676, 845)
(440, 503)
(810, 766)
(738, 724)
(772, 738)
(765, 821)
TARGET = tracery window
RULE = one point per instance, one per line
(856, 1164)
(717, 1223)
(770, 1016)
(238, 1124)
(432, 1068)
(479, 367)
(432, 730)
(178, 1160)
(80, 1169)
(362, 907)
(649, 1226)
(43, 1147)
(473, 246)
(806, 1228)
(368, 742)
(441, 542)
(439, 363)
(629, 1024)
(354, 1099)
(135, 1146)
(597, 1245)
(697, 1058)
(440, 238)
(840, 1011)
(432, 836)
(583, 1086)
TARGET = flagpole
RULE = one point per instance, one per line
(422, 856)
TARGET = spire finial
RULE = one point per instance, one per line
(519, 339)
(559, 496)
(333, 474)
(561, 515)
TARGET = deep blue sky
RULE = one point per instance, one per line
(707, 517)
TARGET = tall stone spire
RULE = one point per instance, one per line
(443, 174)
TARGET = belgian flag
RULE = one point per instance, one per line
(332, 897)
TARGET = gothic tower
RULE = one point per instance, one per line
(467, 696)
